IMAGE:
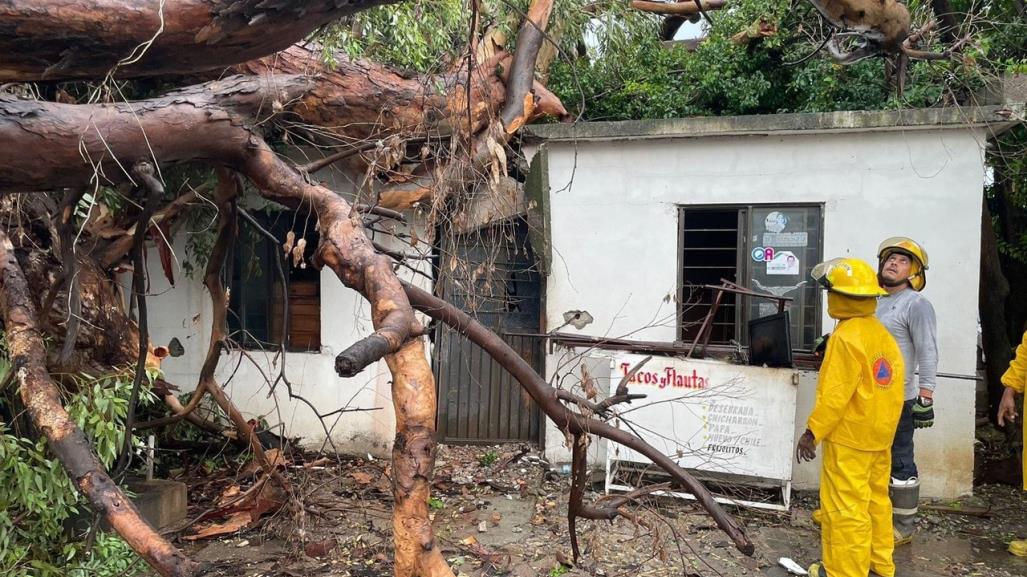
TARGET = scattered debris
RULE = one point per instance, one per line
(791, 566)
(320, 548)
(513, 521)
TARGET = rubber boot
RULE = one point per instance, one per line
(817, 570)
(905, 499)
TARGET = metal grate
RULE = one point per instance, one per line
(492, 275)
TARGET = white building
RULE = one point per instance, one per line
(610, 210)
(621, 196)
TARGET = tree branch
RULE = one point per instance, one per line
(681, 8)
(146, 174)
(86, 39)
(65, 439)
(546, 398)
(520, 103)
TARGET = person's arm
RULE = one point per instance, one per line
(839, 376)
(1015, 381)
(923, 331)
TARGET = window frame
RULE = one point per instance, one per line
(237, 316)
(743, 264)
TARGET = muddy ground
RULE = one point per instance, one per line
(497, 517)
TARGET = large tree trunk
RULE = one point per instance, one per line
(359, 100)
(76, 39)
(993, 292)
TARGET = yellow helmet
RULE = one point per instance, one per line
(917, 256)
(848, 276)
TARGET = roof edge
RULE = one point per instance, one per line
(998, 118)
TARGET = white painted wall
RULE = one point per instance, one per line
(185, 312)
(614, 223)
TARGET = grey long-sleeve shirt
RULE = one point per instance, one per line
(909, 317)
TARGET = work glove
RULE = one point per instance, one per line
(806, 449)
(820, 345)
(923, 413)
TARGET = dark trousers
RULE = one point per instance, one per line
(903, 467)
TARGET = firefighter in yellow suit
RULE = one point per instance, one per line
(1015, 380)
(858, 402)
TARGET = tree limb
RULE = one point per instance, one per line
(146, 174)
(546, 398)
(682, 8)
(65, 439)
(86, 39)
(520, 103)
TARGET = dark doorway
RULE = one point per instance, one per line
(491, 274)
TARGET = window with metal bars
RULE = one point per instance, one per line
(767, 248)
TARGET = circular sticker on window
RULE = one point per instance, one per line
(776, 222)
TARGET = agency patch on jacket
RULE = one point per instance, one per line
(883, 372)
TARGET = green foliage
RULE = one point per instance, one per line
(632, 75)
(558, 570)
(39, 500)
(436, 504)
(488, 458)
(415, 35)
(432, 35)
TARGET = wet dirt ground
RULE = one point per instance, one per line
(498, 518)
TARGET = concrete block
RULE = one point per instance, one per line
(160, 501)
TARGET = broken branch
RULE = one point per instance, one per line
(63, 436)
(546, 398)
(146, 173)
(683, 8)
(380, 211)
(520, 102)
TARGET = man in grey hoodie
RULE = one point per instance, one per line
(909, 317)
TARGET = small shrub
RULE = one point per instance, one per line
(488, 458)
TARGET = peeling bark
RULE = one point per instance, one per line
(520, 103)
(413, 458)
(219, 133)
(362, 100)
(216, 112)
(65, 439)
(84, 39)
(682, 8)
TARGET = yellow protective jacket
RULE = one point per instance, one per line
(1015, 378)
(860, 389)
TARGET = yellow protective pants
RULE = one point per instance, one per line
(856, 532)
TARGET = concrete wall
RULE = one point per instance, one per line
(614, 226)
(185, 312)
